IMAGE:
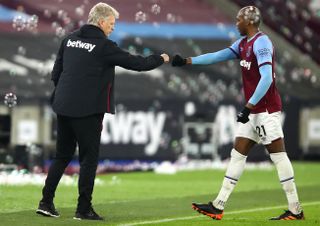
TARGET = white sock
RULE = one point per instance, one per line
(286, 176)
(233, 173)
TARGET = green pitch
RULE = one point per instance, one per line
(150, 199)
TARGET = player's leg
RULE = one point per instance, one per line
(270, 131)
(283, 165)
(243, 144)
(235, 168)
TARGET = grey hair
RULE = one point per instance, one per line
(100, 11)
(251, 14)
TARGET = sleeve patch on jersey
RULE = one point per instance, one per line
(264, 52)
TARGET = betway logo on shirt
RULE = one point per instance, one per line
(81, 45)
(140, 128)
(245, 64)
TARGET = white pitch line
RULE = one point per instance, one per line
(160, 221)
(227, 213)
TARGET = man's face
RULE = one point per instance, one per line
(241, 24)
(107, 25)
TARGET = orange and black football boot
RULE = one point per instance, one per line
(288, 215)
(208, 210)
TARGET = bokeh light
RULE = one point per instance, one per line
(155, 9)
(140, 17)
(19, 23)
(10, 100)
(32, 23)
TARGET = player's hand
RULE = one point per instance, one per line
(178, 61)
(243, 116)
(165, 57)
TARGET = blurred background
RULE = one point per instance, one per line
(174, 115)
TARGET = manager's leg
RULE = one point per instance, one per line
(88, 132)
(65, 146)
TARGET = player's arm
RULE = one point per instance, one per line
(263, 85)
(263, 51)
(210, 58)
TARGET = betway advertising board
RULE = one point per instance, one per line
(153, 130)
(142, 131)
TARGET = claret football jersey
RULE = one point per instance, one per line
(254, 53)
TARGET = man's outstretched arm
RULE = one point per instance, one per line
(119, 57)
(205, 59)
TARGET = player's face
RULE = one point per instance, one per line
(241, 25)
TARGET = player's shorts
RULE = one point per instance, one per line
(263, 128)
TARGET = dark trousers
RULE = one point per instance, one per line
(85, 131)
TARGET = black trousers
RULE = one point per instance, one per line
(85, 131)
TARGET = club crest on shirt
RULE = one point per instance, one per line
(248, 53)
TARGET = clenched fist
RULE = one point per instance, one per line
(165, 57)
(178, 61)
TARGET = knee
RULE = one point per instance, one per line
(243, 145)
(64, 159)
(88, 164)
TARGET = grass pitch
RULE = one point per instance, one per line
(150, 199)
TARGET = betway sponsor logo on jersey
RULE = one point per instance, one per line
(245, 64)
(140, 128)
(81, 45)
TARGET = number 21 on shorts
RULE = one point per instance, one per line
(261, 131)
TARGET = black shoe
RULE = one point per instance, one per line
(47, 209)
(288, 215)
(90, 215)
(208, 210)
